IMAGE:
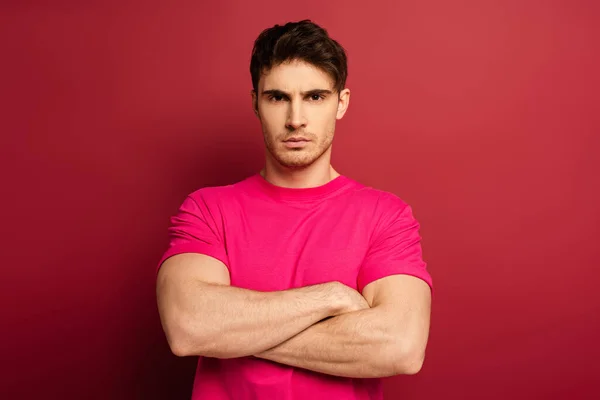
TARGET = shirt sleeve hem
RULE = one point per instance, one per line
(198, 248)
(422, 274)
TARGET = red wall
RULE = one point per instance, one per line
(481, 114)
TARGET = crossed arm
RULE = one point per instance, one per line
(327, 328)
(388, 338)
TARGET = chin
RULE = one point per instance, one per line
(295, 160)
(295, 164)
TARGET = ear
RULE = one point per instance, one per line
(343, 102)
(254, 102)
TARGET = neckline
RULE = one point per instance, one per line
(301, 194)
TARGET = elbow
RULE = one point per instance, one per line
(179, 345)
(178, 340)
(185, 340)
(410, 366)
(178, 349)
(182, 342)
(407, 361)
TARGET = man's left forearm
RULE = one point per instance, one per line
(361, 344)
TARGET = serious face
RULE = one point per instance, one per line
(298, 107)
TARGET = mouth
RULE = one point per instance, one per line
(296, 142)
(296, 139)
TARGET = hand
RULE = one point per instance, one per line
(349, 300)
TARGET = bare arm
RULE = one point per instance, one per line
(202, 315)
(387, 339)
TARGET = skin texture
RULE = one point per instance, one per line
(386, 338)
(296, 99)
(203, 315)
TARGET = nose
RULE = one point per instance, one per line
(295, 118)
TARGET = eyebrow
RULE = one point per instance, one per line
(277, 92)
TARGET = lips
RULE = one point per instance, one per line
(296, 143)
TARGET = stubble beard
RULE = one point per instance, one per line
(298, 158)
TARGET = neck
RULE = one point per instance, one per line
(317, 174)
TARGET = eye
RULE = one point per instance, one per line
(276, 98)
(316, 97)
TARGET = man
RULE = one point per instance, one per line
(297, 282)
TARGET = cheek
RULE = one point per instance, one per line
(326, 121)
(272, 119)
(330, 113)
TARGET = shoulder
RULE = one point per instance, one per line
(210, 193)
(211, 200)
(380, 201)
(217, 194)
(385, 209)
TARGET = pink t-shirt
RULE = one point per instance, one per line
(273, 238)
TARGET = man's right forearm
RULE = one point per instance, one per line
(226, 322)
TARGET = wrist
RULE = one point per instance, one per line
(327, 299)
(335, 300)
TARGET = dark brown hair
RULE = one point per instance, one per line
(303, 40)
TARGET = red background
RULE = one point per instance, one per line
(483, 115)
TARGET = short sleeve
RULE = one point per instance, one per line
(196, 228)
(395, 247)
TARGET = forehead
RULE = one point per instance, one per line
(295, 76)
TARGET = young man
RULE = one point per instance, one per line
(297, 282)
